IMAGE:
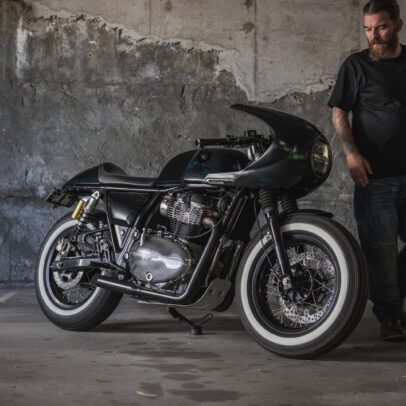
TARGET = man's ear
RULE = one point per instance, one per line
(399, 25)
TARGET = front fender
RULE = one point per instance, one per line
(310, 212)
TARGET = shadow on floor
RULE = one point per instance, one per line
(362, 346)
(377, 352)
(215, 326)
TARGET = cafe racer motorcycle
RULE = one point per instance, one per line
(185, 240)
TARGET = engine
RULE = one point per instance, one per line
(168, 256)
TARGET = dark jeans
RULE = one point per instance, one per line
(380, 211)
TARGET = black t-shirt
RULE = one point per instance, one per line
(375, 92)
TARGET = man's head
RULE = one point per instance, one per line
(382, 24)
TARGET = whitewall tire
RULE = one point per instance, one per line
(292, 329)
(87, 313)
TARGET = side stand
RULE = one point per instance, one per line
(195, 330)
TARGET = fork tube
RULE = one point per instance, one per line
(269, 203)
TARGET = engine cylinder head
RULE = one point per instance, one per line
(184, 213)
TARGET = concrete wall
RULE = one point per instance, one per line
(135, 82)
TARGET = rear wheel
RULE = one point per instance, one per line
(330, 295)
(69, 298)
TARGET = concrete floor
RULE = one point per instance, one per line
(140, 356)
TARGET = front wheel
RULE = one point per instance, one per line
(69, 298)
(330, 288)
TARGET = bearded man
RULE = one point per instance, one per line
(372, 85)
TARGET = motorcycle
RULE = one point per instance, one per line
(184, 240)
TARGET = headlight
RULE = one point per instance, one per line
(321, 159)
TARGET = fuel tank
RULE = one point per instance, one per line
(193, 166)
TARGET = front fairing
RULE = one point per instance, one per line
(287, 163)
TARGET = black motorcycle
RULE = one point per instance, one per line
(185, 240)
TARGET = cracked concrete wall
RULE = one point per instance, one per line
(135, 82)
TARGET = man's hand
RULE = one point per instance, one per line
(359, 168)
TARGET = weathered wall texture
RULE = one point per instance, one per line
(135, 82)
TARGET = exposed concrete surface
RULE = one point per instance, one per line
(140, 356)
(135, 82)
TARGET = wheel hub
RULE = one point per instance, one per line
(303, 285)
(311, 297)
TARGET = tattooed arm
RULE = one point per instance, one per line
(358, 166)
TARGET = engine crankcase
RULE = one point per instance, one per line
(159, 260)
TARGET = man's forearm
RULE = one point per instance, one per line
(344, 131)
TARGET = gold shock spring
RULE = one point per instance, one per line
(78, 210)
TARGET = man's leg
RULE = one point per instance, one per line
(402, 273)
(402, 253)
(375, 208)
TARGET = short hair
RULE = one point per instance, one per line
(377, 6)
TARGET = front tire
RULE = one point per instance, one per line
(81, 309)
(329, 268)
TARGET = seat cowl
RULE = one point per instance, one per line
(88, 178)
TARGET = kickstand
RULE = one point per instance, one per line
(195, 330)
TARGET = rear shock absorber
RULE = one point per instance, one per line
(84, 212)
(85, 208)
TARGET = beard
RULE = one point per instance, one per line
(383, 49)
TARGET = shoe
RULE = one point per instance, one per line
(392, 331)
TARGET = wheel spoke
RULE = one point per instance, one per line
(315, 302)
(315, 273)
(274, 292)
(71, 287)
(322, 286)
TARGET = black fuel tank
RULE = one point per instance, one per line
(194, 166)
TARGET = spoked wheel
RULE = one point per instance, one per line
(316, 282)
(69, 297)
(330, 288)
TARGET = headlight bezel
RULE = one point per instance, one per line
(321, 158)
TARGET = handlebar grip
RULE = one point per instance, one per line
(205, 142)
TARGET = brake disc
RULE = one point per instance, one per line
(319, 267)
(67, 279)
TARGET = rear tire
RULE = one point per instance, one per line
(81, 316)
(296, 329)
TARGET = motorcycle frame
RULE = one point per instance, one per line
(193, 291)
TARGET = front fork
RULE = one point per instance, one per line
(269, 203)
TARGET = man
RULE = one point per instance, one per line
(372, 85)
